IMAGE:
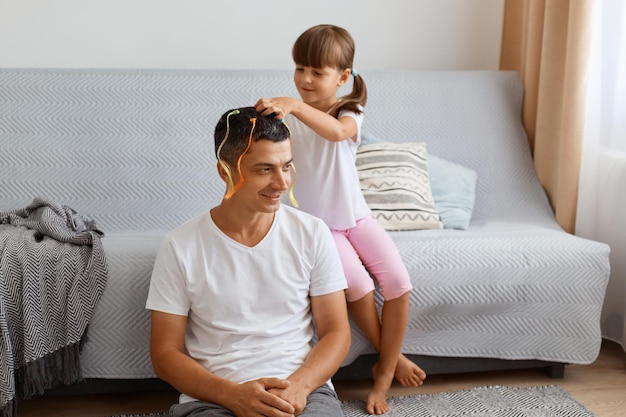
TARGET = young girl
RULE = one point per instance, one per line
(326, 131)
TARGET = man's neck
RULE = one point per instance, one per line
(246, 228)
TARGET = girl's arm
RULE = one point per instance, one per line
(325, 125)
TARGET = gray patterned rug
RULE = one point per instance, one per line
(548, 400)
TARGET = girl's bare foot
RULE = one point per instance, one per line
(408, 373)
(376, 402)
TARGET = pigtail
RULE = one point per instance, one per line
(355, 100)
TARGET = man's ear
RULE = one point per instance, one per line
(344, 76)
(223, 169)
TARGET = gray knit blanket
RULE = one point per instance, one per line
(52, 273)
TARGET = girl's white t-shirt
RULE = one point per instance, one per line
(248, 308)
(328, 184)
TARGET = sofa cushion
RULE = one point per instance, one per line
(395, 184)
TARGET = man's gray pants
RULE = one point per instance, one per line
(322, 402)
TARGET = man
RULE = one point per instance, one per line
(238, 292)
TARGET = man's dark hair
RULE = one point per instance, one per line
(232, 132)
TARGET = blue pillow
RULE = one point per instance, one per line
(454, 190)
(367, 139)
(453, 187)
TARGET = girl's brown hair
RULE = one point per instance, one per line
(331, 46)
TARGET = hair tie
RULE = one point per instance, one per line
(354, 72)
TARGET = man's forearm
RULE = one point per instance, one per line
(190, 378)
(323, 360)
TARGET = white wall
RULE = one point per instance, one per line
(391, 34)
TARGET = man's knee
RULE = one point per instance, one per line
(323, 402)
(199, 409)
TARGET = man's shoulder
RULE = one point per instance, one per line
(192, 226)
(299, 216)
(297, 221)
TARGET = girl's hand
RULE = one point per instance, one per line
(279, 106)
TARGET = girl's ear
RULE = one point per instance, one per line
(344, 76)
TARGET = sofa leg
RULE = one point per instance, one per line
(556, 370)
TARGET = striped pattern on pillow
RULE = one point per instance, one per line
(394, 181)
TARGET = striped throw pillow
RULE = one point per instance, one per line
(394, 181)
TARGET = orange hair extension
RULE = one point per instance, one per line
(223, 164)
(234, 189)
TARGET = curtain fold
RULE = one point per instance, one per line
(601, 197)
(548, 42)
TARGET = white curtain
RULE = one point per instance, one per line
(601, 212)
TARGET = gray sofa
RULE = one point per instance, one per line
(133, 149)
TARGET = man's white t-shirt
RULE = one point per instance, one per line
(248, 308)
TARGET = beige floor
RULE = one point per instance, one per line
(601, 387)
